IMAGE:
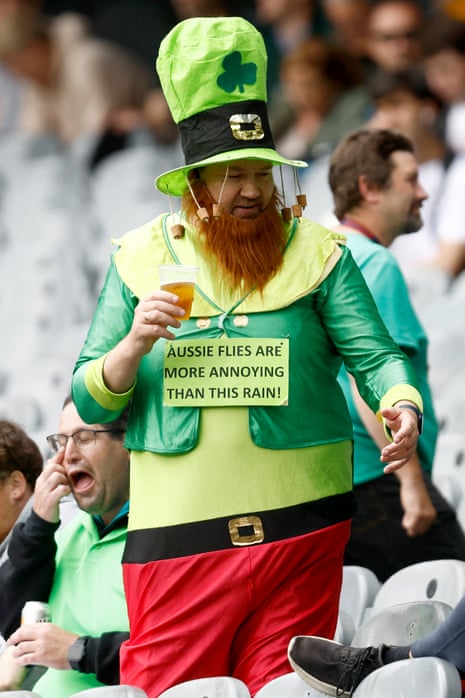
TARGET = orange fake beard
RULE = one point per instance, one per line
(248, 252)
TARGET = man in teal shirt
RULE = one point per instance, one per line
(402, 518)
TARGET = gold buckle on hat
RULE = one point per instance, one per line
(246, 530)
(246, 127)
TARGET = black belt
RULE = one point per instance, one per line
(168, 542)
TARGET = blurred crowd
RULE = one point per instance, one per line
(84, 130)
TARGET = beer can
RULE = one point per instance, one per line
(35, 612)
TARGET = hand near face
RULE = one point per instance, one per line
(51, 486)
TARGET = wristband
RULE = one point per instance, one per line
(417, 412)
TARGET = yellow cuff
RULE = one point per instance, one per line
(403, 391)
(97, 388)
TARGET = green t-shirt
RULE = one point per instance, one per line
(87, 595)
(390, 291)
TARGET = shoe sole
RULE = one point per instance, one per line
(313, 681)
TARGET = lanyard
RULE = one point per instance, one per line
(350, 223)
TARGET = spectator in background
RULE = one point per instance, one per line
(401, 518)
(77, 570)
(20, 465)
(403, 102)
(393, 34)
(348, 22)
(443, 44)
(443, 47)
(102, 94)
(25, 48)
(444, 60)
(285, 25)
(78, 86)
(323, 85)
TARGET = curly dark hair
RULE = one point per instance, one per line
(18, 452)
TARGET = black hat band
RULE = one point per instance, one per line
(225, 128)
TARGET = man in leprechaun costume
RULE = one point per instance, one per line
(240, 439)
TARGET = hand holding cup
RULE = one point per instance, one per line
(179, 279)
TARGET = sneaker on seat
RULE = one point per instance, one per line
(329, 666)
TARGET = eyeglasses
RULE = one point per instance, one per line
(82, 438)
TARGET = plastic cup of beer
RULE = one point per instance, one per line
(179, 279)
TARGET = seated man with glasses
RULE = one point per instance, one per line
(76, 570)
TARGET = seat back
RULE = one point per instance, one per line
(288, 686)
(401, 624)
(432, 580)
(359, 588)
(451, 487)
(121, 691)
(449, 456)
(345, 629)
(211, 687)
(412, 678)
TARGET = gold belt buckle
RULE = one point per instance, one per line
(246, 530)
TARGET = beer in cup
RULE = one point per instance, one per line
(179, 279)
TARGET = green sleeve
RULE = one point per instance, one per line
(369, 353)
(111, 323)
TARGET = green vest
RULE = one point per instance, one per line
(318, 300)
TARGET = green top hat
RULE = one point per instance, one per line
(213, 74)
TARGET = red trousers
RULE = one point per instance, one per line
(230, 612)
